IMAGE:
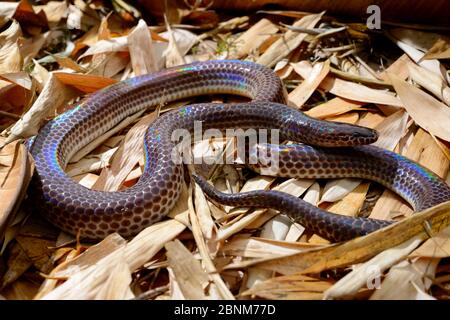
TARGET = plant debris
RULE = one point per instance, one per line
(395, 80)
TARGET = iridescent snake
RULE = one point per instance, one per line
(331, 150)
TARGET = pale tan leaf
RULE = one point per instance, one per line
(191, 278)
(54, 11)
(10, 57)
(348, 89)
(427, 112)
(391, 130)
(438, 246)
(40, 75)
(337, 189)
(7, 10)
(301, 94)
(276, 228)
(203, 213)
(86, 180)
(288, 42)
(262, 248)
(119, 44)
(141, 50)
(117, 285)
(293, 287)
(208, 264)
(358, 92)
(334, 107)
(370, 271)
(20, 78)
(180, 42)
(417, 56)
(430, 81)
(403, 279)
(252, 39)
(352, 202)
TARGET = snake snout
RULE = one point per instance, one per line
(353, 135)
(364, 135)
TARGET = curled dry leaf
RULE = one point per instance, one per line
(7, 10)
(10, 57)
(16, 169)
(142, 54)
(52, 96)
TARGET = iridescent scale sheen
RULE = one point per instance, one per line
(95, 214)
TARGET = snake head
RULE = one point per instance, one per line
(302, 128)
(352, 135)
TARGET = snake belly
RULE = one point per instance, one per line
(95, 214)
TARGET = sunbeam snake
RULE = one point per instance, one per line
(331, 150)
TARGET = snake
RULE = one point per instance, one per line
(316, 149)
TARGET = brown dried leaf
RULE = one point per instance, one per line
(439, 50)
(84, 82)
(363, 248)
(18, 262)
(16, 169)
(292, 287)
